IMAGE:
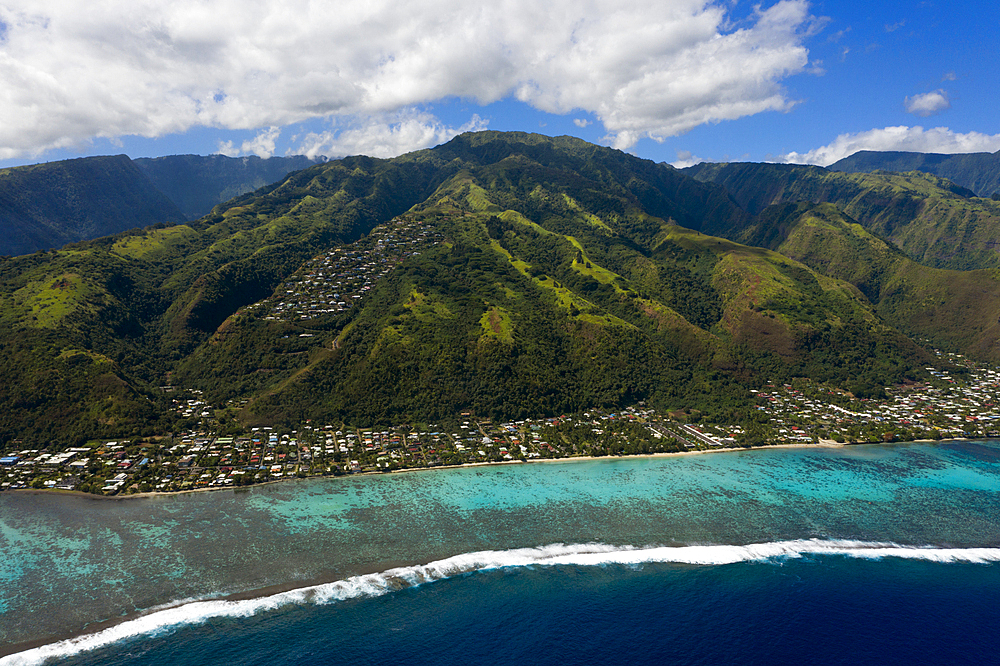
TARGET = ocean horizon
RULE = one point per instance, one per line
(878, 552)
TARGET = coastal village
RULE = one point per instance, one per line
(804, 414)
(209, 456)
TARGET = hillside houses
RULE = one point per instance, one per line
(336, 280)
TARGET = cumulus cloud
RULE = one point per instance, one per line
(581, 122)
(686, 158)
(383, 136)
(928, 104)
(71, 71)
(261, 145)
(908, 139)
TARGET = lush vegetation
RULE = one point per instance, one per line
(199, 183)
(48, 205)
(980, 172)
(567, 276)
(934, 221)
(954, 309)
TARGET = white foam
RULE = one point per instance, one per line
(167, 619)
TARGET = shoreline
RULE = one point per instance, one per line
(822, 444)
(372, 567)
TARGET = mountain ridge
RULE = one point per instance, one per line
(980, 172)
(955, 309)
(933, 220)
(198, 183)
(48, 205)
(547, 275)
(45, 206)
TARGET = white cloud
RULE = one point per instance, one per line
(908, 139)
(837, 36)
(581, 122)
(385, 136)
(686, 158)
(71, 71)
(928, 104)
(261, 145)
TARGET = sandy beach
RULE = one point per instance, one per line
(822, 444)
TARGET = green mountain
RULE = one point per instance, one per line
(49, 205)
(954, 309)
(198, 183)
(933, 220)
(502, 273)
(980, 172)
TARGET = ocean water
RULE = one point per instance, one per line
(856, 555)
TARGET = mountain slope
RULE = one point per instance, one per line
(549, 305)
(980, 172)
(547, 275)
(144, 300)
(198, 183)
(49, 205)
(956, 309)
(933, 220)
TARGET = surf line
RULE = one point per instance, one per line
(165, 620)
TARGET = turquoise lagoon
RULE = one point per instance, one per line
(173, 579)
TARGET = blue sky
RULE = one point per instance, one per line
(676, 81)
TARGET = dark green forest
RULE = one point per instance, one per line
(549, 276)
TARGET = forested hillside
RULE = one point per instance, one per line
(48, 205)
(954, 309)
(980, 172)
(505, 274)
(198, 183)
(934, 221)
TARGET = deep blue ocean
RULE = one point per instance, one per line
(874, 554)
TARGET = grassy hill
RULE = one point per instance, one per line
(512, 315)
(955, 309)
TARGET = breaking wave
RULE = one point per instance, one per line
(166, 619)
